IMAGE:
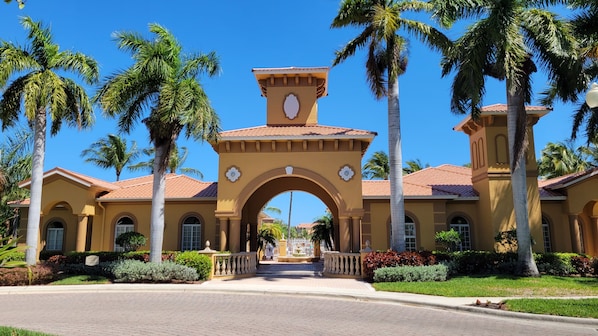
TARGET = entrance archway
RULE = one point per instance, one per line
(255, 203)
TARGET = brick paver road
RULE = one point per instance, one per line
(205, 313)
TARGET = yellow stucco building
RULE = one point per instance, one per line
(293, 152)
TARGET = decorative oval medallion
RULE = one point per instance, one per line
(346, 173)
(233, 174)
(291, 106)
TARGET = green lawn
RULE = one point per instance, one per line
(498, 285)
(530, 289)
(20, 332)
(81, 280)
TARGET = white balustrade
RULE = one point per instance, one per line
(234, 264)
(342, 264)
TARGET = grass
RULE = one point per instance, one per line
(498, 286)
(563, 307)
(10, 331)
(533, 289)
(81, 280)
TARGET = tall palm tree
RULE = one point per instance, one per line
(381, 20)
(177, 159)
(111, 152)
(40, 88)
(377, 166)
(164, 83)
(507, 41)
(562, 158)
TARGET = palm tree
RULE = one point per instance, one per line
(585, 24)
(506, 42)
(40, 87)
(386, 60)
(377, 166)
(21, 3)
(562, 158)
(111, 152)
(165, 81)
(323, 231)
(177, 159)
(413, 166)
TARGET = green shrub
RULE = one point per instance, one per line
(139, 271)
(449, 239)
(375, 260)
(412, 273)
(130, 241)
(200, 262)
(555, 263)
(484, 262)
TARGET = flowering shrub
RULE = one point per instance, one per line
(376, 260)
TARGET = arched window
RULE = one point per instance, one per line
(54, 236)
(546, 235)
(410, 234)
(461, 225)
(191, 238)
(124, 224)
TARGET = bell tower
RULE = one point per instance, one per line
(491, 175)
(292, 94)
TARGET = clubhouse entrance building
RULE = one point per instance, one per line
(293, 152)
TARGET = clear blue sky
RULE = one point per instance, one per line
(258, 34)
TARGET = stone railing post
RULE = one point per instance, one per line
(210, 253)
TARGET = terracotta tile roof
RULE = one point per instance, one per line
(76, 177)
(177, 187)
(560, 182)
(295, 132)
(503, 108)
(442, 182)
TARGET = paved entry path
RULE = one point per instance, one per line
(272, 275)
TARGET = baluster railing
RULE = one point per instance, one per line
(342, 264)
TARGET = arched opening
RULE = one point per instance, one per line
(309, 202)
(123, 224)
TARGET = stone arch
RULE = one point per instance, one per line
(298, 173)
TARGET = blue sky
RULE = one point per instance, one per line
(261, 34)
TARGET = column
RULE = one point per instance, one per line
(81, 233)
(223, 233)
(575, 238)
(235, 235)
(356, 235)
(344, 235)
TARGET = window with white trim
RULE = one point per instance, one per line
(410, 234)
(124, 224)
(461, 225)
(546, 235)
(191, 234)
(54, 236)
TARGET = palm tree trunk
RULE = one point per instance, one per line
(157, 211)
(37, 177)
(395, 161)
(517, 122)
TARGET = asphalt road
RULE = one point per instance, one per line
(206, 313)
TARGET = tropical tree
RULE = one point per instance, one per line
(562, 158)
(40, 88)
(506, 43)
(15, 166)
(380, 20)
(268, 233)
(177, 159)
(585, 27)
(111, 152)
(377, 166)
(164, 83)
(323, 230)
(413, 166)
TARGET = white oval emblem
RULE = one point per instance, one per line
(291, 106)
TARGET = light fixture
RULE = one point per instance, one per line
(592, 96)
